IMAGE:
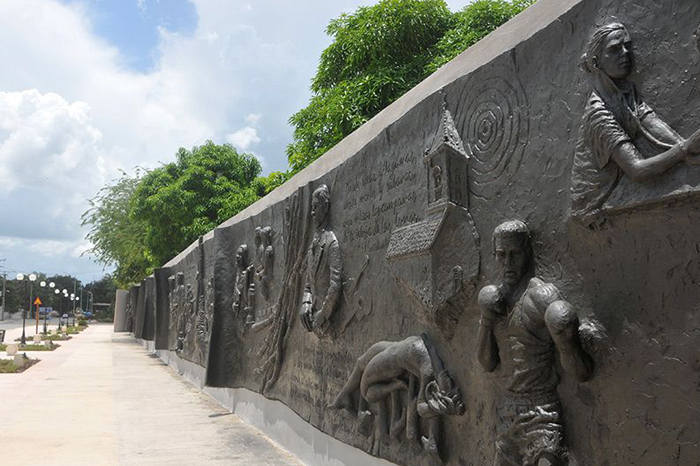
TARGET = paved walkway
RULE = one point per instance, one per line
(102, 400)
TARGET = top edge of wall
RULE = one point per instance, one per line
(519, 29)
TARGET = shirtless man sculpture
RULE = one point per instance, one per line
(524, 322)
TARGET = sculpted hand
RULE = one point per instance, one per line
(562, 322)
(306, 318)
(692, 145)
(492, 304)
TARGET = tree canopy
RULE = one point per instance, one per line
(378, 53)
(117, 237)
(185, 199)
(140, 222)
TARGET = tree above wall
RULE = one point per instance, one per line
(378, 54)
(138, 223)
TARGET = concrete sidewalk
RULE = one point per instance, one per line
(101, 399)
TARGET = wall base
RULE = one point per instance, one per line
(279, 423)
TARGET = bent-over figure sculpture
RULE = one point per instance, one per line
(524, 322)
(386, 369)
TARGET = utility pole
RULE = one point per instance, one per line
(4, 279)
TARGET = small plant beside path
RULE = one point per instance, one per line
(7, 366)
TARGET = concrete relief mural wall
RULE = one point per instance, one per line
(506, 274)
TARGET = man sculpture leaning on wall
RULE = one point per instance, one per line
(524, 321)
(324, 268)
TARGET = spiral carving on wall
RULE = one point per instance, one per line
(494, 121)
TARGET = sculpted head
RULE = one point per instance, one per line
(511, 247)
(242, 256)
(609, 51)
(320, 205)
(258, 236)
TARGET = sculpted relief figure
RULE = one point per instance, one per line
(324, 268)
(264, 258)
(620, 134)
(204, 317)
(388, 368)
(180, 312)
(524, 322)
(242, 296)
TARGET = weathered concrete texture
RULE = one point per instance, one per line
(121, 299)
(162, 307)
(516, 99)
(140, 314)
(149, 324)
(100, 399)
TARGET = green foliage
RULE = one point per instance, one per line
(185, 199)
(379, 53)
(140, 222)
(7, 366)
(103, 291)
(272, 181)
(117, 237)
(473, 23)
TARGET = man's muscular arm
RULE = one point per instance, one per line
(492, 306)
(562, 324)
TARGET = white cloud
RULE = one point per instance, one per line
(243, 138)
(253, 118)
(50, 248)
(72, 114)
(45, 140)
(81, 249)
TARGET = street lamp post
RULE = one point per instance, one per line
(65, 295)
(91, 304)
(36, 331)
(56, 292)
(51, 285)
(72, 314)
(31, 278)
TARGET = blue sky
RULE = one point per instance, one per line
(91, 88)
(132, 25)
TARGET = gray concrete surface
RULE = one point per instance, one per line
(101, 399)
